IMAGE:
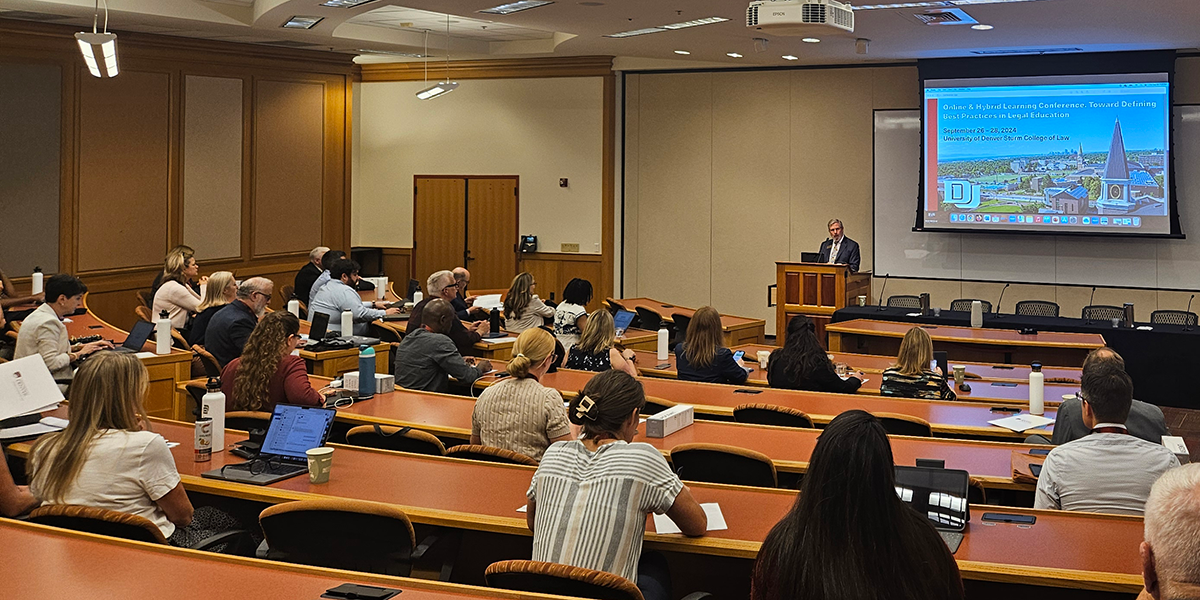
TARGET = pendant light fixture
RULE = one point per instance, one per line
(443, 87)
(99, 48)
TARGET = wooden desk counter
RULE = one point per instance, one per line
(719, 400)
(1076, 550)
(58, 563)
(331, 363)
(166, 370)
(965, 343)
(738, 330)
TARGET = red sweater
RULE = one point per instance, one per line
(289, 385)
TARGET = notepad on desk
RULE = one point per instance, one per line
(1021, 423)
(498, 340)
(716, 520)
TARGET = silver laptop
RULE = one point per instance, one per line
(293, 431)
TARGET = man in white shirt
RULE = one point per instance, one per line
(339, 295)
(1171, 552)
(43, 332)
(1108, 470)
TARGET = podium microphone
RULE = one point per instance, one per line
(1090, 299)
(998, 315)
(882, 307)
(1187, 319)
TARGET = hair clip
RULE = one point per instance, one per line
(519, 355)
(584, 408)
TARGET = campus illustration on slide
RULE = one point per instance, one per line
(1054, 154)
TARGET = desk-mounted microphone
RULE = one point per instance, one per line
(1090, 299)
(998, 302)
(882, 288)
(1187, 319)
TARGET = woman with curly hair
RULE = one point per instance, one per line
(267, 373)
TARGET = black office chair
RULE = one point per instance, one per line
(904, 301)
(964, 305)
(400, 439)
(1173, 317)
(565, 580)
(897, 424)
(648, 319)
(490, 454)
(718, 463)
(656, 405)
(681, 325)
(614, 306)
(413, 287)
(1101, 312)
(111, 523)
(1037, 308)
(769, 414)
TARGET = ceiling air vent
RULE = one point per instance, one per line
(945, 16)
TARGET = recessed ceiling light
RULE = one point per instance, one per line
(671, 27)
(981, 27)
(302, 22)
(512, 7)
(811, 40)
(790, 57)
(345, 3)
(684, 52)
(733, 55)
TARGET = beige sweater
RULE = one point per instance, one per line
(178, 300)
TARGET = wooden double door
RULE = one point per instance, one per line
(466, 221)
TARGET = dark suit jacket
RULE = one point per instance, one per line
(304, 281)
(1145, 421)
(464, 339)
(228, 331)
(847, 253)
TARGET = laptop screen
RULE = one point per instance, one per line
(138, 335)
(939, 494)
(295, 430)
(319, 323)
(622, 320)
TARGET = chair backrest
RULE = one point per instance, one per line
(1173, 317)
(904, 301)
(681, 325)
(964, 305)
(1100, 312)
(143, 313)
(563, 580)
(145, 298)
(897, 424)
(648, 319)
(1037, 308)
(99, 521)
(655, 405)
(400, 439)
(718, 463)
(212, 368)
(769, 414)
(339, 533)
(490, 454)
(288, 292)
(613, 305)
(413, 287)
(244, 420)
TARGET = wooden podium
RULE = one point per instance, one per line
(815, 290)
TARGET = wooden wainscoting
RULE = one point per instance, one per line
(398, 266)
(552, 271)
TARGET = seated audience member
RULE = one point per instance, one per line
(522, 308)
(911, 376)
(464, 305)
(339, 295)
(174, 255)
(10, 299)
(595, 351)
(801, 364)
(848, 536)
(267, 373)
(176, 295)
(1109, 470)
(440, 285)
(571, 316)
(229, 329)
(15, 500)
(308, 275)
(603, 482)
(218, 292)
(326, 276)
(107, 457)
(702, 357)
(43, 332)
(518, 413)
(1171, 552)
(427, 357)
(1145, 420)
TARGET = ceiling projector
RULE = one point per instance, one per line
(799, 17)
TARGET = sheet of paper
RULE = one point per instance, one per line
(55, 422)
(13, 433)
(716, 520)
(26, 387)
(145, 355)
(499, 340)
(1021, 423)
(524, 508)
(489, 301)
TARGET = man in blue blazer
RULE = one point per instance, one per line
(843, 249)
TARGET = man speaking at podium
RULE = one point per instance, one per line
(839, 249)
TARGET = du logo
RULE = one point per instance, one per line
(962, 194)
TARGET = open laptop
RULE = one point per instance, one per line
(621, 321)
(810, 257)
(134, 342)
(294, 430)
(320, 324)
(940, 495)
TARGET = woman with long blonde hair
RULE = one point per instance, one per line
(267, 373)
(519, 413)
(702, 355)
(107, 457)
(220, 290)
(912, 376)
(176, 294)
(596, 349)
(522, 308)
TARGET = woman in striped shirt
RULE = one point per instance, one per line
(912, 376)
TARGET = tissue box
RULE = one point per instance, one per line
(669, 421)
(1175, 444)
(384, 383)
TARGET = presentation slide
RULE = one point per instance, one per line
(1069, 154)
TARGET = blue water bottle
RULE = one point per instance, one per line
(366, 372)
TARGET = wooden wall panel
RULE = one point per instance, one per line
(438, 205)
(552, 272)
(124, 170)
(212, 166)
(492, 231)
(398, 266)
(288, 186)
(30, 118)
